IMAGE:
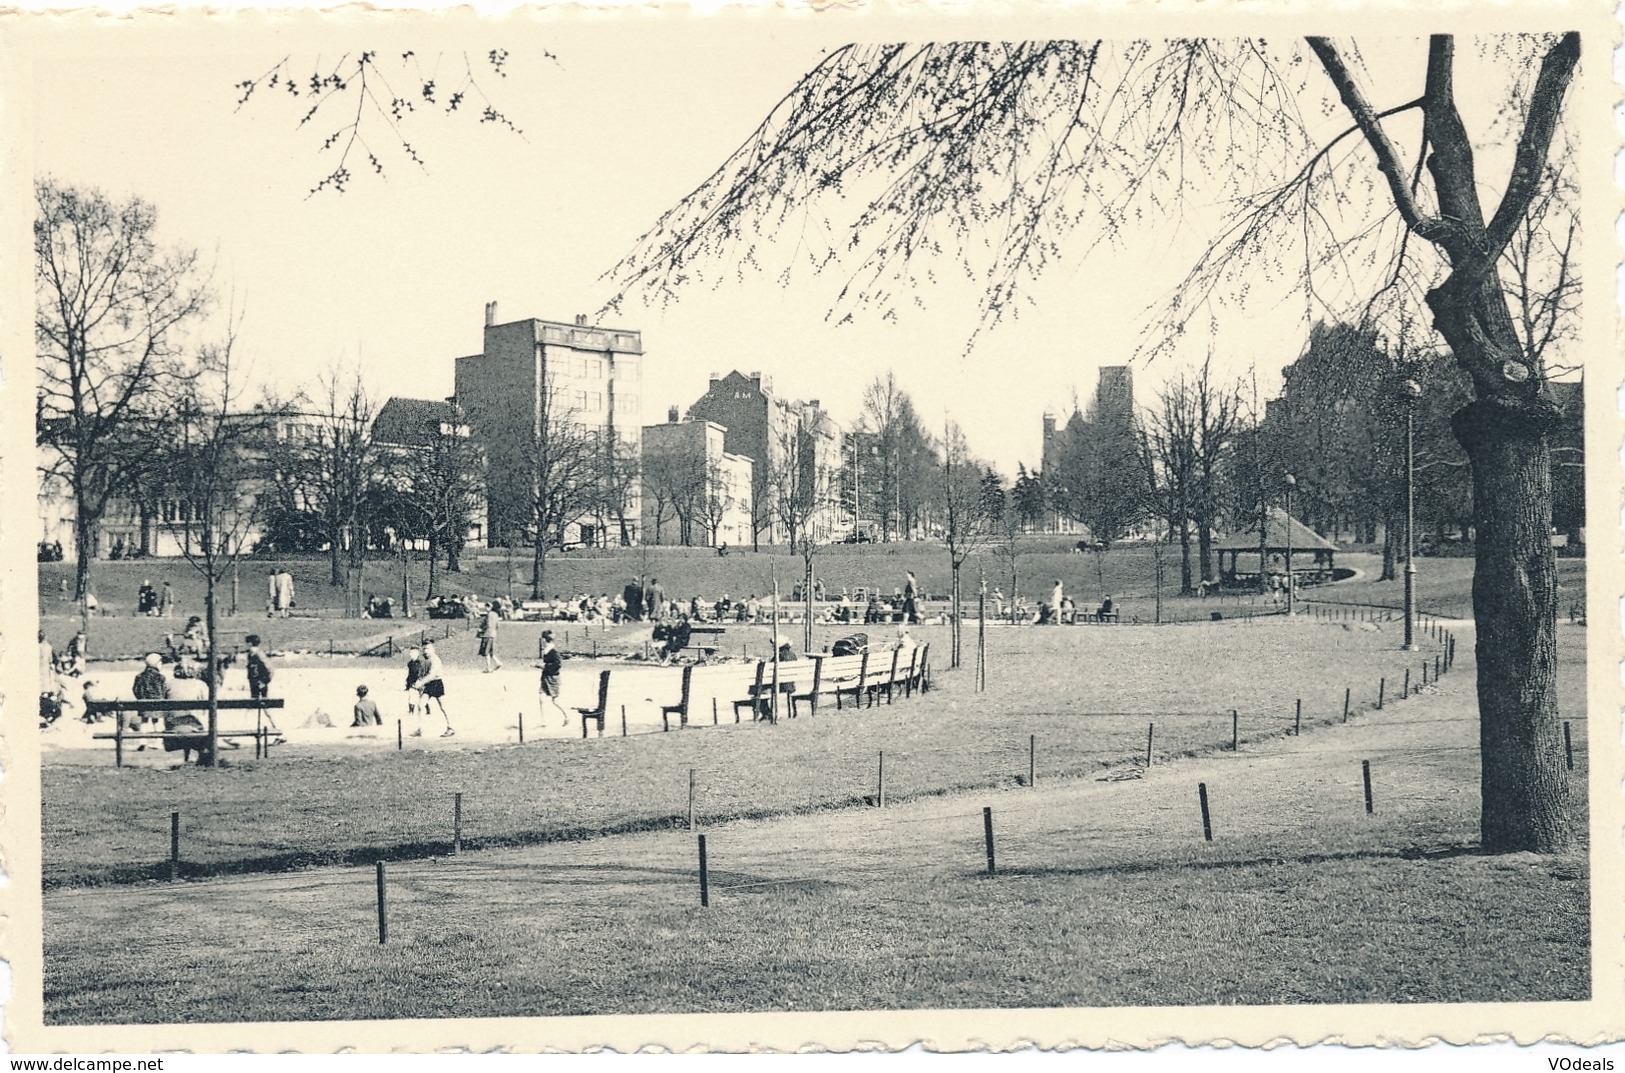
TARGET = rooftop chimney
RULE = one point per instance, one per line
(671, 416)
(490, 313)
(581, 320)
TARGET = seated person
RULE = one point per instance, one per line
(1105, 608)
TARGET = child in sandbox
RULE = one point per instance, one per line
(366, 710)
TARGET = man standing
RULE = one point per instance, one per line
(1057, 594)
(656, 600)
(633, 595)
(911, 591)
(488, 639)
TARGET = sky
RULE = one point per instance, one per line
(621, 116)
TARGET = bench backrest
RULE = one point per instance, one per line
(221, 703)
(603, 693)
(688, 679)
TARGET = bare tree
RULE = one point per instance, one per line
(1188, 432)
(438, 484)
(966, 522)
(111, 310)
(799, 491)
(563, 457)
(1054, 136)
(215, 457)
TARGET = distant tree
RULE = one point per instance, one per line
(563, 457)
(898, 476)
(365, 105)
(1097, 477)
(1028, 498)
(438, 486)
(112, 309)
(672, 483)
(1190, 430)
(620, 476)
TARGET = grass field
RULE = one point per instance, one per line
(1105, 895)
(1085, 694)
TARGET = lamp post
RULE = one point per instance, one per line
(1413, 391)
(1291, 483)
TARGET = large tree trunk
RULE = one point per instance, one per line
(84, 539)
(1506, 436)
(335, 554)
(1204, 546)
(1523, 783)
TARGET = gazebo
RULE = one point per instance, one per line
(1312, 554)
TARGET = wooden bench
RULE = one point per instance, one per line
(849, 679)
(598, 712)
(119, 708)
(1094, 618)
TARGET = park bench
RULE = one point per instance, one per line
(1095, 618)
(597, 713)
(700, 648)
(758, 696)
(119, 708)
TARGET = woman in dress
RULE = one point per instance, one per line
(433, 686)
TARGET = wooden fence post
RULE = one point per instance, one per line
(1365, 773)
(1347, 692)
(987, 834)
(1568, 744)
(175, 837)
(1207, 823)
(880, 782)
(1032, 760)
(1382, 687)
(623, 720)
(1297, 719)
(383, 918)
(1150, 730)
(691, 799)
(1235, 731)
(705, 883)
(457, 822)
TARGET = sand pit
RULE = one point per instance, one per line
(484, 708)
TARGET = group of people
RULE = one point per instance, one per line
(152, 603)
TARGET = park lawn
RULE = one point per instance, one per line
(1082, 697)
(1105, 895)
(1444, 586)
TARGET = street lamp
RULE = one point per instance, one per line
(1413, 391)
(1291, 483)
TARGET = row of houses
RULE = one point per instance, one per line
(711, 476)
